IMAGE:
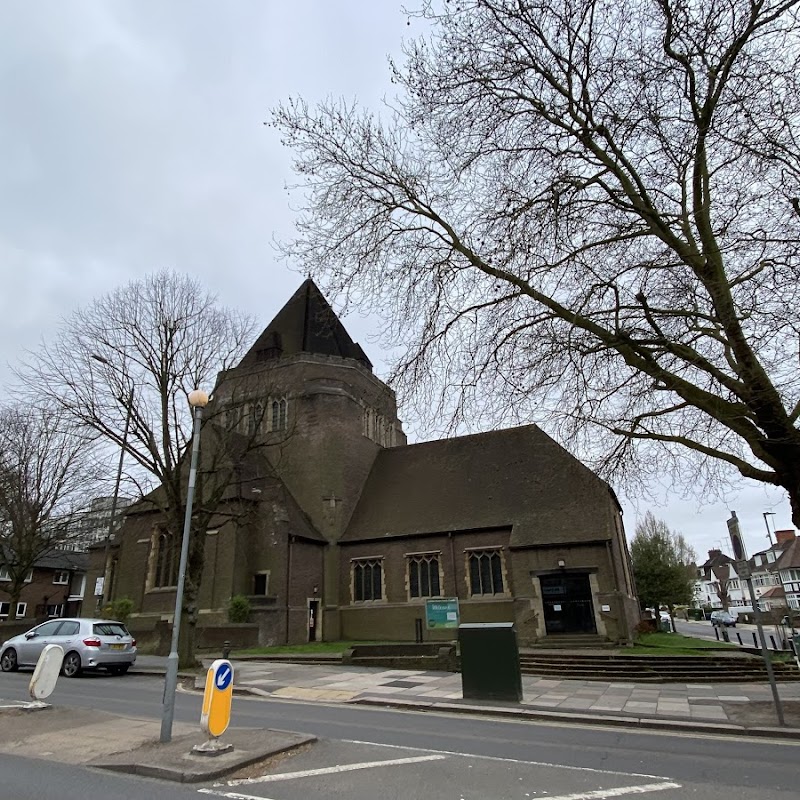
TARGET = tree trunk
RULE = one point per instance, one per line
(186, 641)
(14, 593)
(792, 487)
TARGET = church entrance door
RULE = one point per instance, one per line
(567, 603)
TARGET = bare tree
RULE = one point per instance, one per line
(586, 211)
(124, 367)
(720, 577)
(48, 471)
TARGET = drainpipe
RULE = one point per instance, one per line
(453, 562)
(288, 584)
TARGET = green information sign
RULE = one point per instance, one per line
(441, 613)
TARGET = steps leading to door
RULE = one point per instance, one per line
(653, 669)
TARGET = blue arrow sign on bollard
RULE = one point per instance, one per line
(224, 676)
(216, 714)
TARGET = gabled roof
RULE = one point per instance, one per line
(790, 558)
(517, 478)
(306, 324)
(721, 566)
(254, 482)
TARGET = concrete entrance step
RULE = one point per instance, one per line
(674, 669)
(563, 641)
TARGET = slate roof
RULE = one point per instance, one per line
(64, 559)
(518, 477)
(255, 473)
(53, 559)
(790, 558)
(306, 324)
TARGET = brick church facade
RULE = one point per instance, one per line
(342, 530)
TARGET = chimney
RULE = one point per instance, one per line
(784, 537)
(712, 554)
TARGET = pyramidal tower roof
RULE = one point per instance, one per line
(306, 324)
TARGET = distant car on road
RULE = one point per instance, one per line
(88, 644)
(723, 619)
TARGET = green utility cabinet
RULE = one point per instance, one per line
(490, 662)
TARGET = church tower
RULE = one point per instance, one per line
(308, 389)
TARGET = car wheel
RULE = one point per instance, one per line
(8, 661)
(71, 666)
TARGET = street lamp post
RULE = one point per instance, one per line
(766, 514)
(103, 594)
(198, 400)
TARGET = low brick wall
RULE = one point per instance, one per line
(156, 639)
(429, 656)
(10, 629)
(241, 636)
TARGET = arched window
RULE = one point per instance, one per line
(278, 419)
(486, 572)
(166, 561)
(367, 579)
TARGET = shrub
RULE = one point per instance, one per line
(120, 609)
(645, 626)
(238, 609)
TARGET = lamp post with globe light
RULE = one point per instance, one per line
(198, 400)
(103, 584)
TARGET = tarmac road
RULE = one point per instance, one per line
(37, 779)
(401, 749)
(705, 630)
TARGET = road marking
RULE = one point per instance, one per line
(512, 761)
(603, 794)
(233, 795)
(307, 773)
(597, 794)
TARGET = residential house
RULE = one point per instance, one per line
(54, 587)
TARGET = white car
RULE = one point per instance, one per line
(88, 644)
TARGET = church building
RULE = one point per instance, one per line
(343, 530)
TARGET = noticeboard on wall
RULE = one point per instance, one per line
(441, 613)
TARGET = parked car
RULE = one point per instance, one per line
(723, 618)
(88, 644)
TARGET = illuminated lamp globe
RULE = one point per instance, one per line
(198, 399)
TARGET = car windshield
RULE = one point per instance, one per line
(110, 629)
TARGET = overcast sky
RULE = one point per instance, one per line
(132, 138)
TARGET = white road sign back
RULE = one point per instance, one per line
(48, 668)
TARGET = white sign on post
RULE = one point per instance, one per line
(48, 668)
